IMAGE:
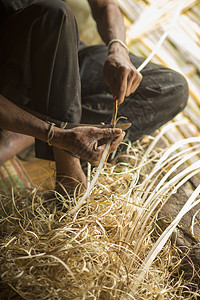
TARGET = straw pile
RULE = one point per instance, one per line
(113, 248)
(99, 253)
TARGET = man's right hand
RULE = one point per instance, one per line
(89, 142)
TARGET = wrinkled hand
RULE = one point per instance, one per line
(120, 75)
(89, 142)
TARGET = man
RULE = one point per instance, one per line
(44, 70)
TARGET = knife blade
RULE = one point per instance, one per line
(122, 126)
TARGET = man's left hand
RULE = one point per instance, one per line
(120, 75)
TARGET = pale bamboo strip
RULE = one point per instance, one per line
(173, 49)
(188, 129)
(179, 55)
(164, 185)
(196, 79)
(163, 55)
(164, 237)
(191, 28)
(186, 45)
(173, 135)
(167, 54)
(192, 104)
(193, 47)
(188, 3)
(196, 119)
(130, 8)
(193, 110)
(158, 13)
(195, 11)
(138, 49)
(194, 91)
(169, 61)
(192, 115)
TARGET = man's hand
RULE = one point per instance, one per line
(119, 74)
(89, 142)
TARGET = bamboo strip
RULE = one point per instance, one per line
(157, 14)
(192, 115)
(169, 61)
(191, 27)
(164, 237)
(188, 129)
(192, 104)
(173, 135)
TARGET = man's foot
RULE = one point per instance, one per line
(69, 173)
(76, 184)
(11, 143)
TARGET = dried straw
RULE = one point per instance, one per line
(47, 253)
(106, 248)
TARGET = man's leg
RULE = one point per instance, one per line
(69, 173)
(42, 58)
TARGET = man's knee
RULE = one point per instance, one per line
(56, 19)
(55, 8)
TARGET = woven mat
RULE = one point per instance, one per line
(13, 177)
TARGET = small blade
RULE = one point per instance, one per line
(122, 126)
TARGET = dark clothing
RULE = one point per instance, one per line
(41, 67)
(161, 95)
(8, 7)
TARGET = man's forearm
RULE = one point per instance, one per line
(109, 20)
(15, 119)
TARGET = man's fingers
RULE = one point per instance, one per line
(95, 145)
(115, 143)
(133, 83)
(136, 83)
(127, 83)
(107, 133)
(94, 152)
(96, 155)
(122, 86)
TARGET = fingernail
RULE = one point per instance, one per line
(95, 146)
(118, 130)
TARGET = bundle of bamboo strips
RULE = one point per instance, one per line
(106, 249)
(99, 253)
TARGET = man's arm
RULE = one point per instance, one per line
(119, 73)
(87, 142)
(109, 20)
(15, 119)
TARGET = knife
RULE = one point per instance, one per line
(122, 126)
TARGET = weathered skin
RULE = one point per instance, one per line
(119, 73)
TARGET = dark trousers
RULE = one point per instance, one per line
(42, 67)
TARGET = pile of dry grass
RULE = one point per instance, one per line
(112, 247)
(99, 252)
